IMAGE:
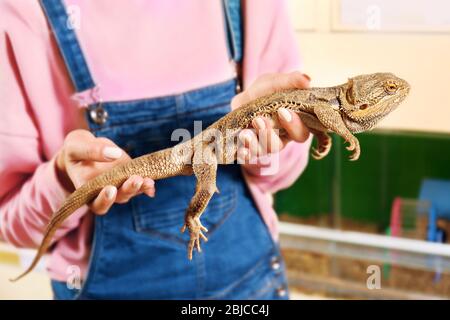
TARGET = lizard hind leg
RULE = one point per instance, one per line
(205, 171)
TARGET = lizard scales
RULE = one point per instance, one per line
(353, 107)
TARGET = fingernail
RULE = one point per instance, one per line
(245, 137)
(137, 184)
(149, 184)
(260, 124)
(284, 114)
(150, 192)
(112, 152)
(111, 192)
(307, 76)
(243, 154)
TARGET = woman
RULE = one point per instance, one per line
(89, 84)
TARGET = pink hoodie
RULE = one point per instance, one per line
(135, 49)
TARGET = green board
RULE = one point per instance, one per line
(392, 164)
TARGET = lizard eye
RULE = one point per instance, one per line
(391, 87)
(363, 106)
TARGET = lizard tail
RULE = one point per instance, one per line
(146, 166)
(76, 200)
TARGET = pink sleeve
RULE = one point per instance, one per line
(29, 190)
(271, 46)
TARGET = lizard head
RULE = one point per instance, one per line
(369, 98)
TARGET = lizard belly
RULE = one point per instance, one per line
(311, 121)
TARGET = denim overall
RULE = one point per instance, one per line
(138, 251)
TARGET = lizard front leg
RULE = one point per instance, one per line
(320, 132)
(205, 170)
(332, 120)
(324, 144)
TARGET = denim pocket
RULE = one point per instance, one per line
(163, 216)
(259, 282)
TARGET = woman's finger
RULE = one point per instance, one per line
(148, 187)
(92, 150)
(129, 189)
(269, 140)
(259, 124)
(271, 83)
(283, 81)
(249, 141)
(243, 156)
(81, 145)
(104, 200)
(293, 125)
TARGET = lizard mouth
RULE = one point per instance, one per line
(374, 112)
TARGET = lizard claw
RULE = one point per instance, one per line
(316, 154)
(354, 146)
(323, 148)
(196, 230)
(355, 155)
(351, 146)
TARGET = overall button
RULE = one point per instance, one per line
(281, 292)
(238, 87)
(98, 114)
(275, 263)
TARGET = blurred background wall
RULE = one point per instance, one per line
(342, 38)
(422, 58)
(383, 192)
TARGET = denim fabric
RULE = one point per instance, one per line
(138, 251)
(61, 292)
(232, 12)
(68, 44)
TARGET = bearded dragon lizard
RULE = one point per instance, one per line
(353, 107)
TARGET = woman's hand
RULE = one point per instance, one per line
(264, 139)
(84, 156)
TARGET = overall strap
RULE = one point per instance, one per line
(234, 31)
(77, 66)
(68, 44)
(233, 9)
